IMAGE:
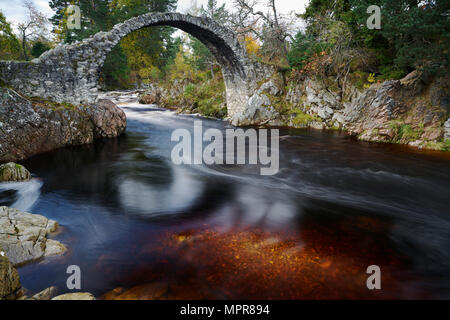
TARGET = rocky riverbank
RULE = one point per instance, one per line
(412, 111)
(29, 126)
(23, 239)
(32, 126)
(23, 236)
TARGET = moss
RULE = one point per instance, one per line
(408, 133)
(405, 133)
(303, 119)
(204, 97)
(4, 85)
(45, 103)
(332, 85)
(438, 146)
(280, 104)
(334, 125)
(359, 79)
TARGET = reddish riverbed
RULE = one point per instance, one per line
(140, 227)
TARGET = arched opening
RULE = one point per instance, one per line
(220, 42)
(173, 69)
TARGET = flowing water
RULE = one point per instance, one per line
(141, 227)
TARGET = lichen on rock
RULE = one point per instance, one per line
(12, 172)
(32, 126)
(23, 236)
(9, 280)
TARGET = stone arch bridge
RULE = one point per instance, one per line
(70, 73)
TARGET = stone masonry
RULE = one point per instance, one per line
(70, 73)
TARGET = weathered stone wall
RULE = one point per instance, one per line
(70, 73)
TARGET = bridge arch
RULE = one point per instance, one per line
(70, 73)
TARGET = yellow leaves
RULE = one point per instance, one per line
(371, 80)
(181, 69)
(251, 45)
(150, 73)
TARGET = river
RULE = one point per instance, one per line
(141, 226)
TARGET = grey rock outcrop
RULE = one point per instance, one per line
(260, 109)
(408, 111)
(23, 236)
(13, 172)
(447, 129)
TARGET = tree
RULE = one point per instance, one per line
(39, 48)
(203, 58)
(417, 32)
(59, 20)
(137, 54)
(34, 27)
(146, 49)
(9, 45)
(215, 12)
(271, 28)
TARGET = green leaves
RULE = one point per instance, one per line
(417, 32)
(414, 35)
(9, 45)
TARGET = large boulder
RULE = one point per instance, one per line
(108, 119)
(29, 127)
(13, 172)
(23, 236)
(9, 280)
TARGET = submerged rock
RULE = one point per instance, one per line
(13, 172)
(150, 291)
(150, 98)
(23, 236)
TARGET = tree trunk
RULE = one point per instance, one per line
(24, 46)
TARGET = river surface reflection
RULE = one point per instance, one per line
(142, 228)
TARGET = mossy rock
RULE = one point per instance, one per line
(13, 172)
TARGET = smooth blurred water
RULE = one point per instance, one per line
(111, 198)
